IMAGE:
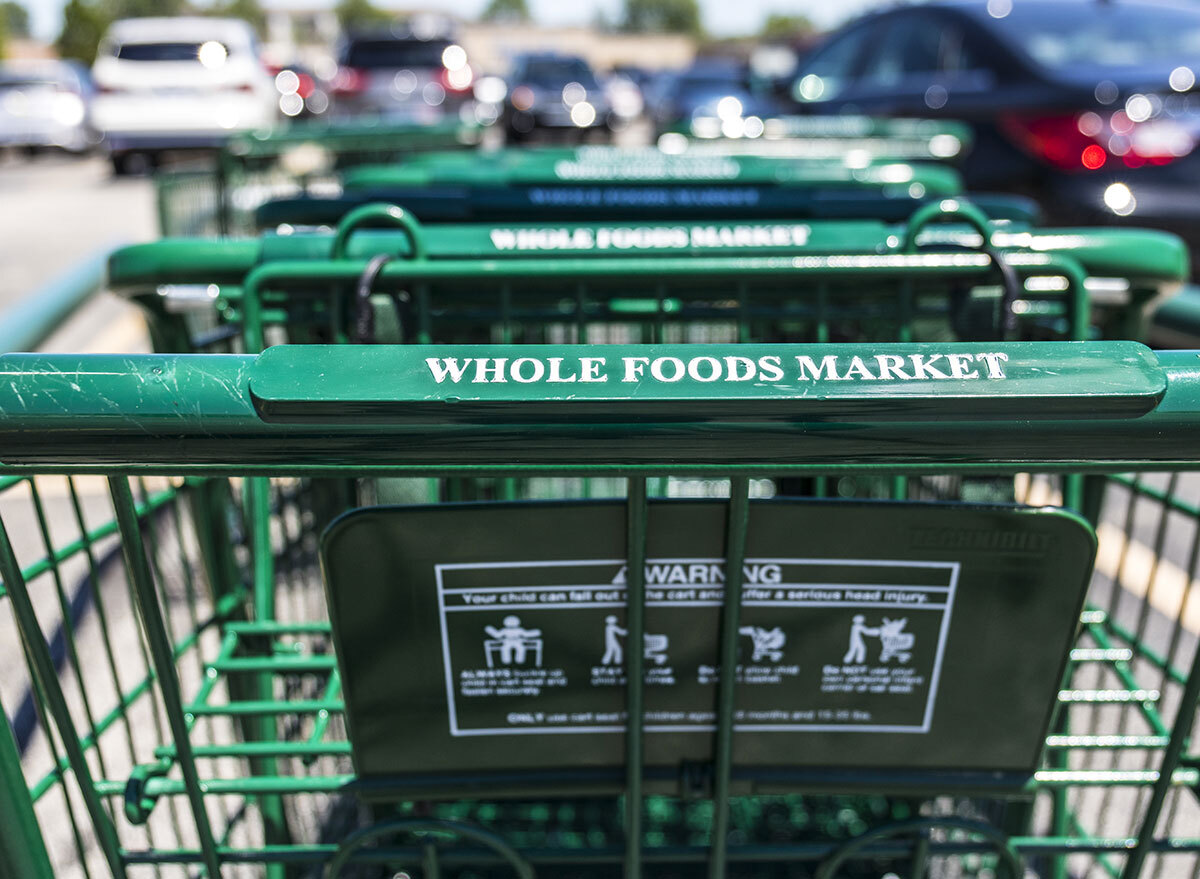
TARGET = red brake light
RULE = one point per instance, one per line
(349, 81)
(1092, 140)
(1093, 157)
(1055, 139)
(457, 80)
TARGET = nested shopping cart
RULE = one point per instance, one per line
(635, 184)
(851, 688)
(821, 137)
(255, 166)
(286, 712)
(932, 277)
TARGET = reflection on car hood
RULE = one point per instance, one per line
(1128, 80)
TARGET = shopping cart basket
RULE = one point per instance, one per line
(656, 186)
(909, 275)
(609, 163)
(696, 772)
(303, 157)
(822, 137)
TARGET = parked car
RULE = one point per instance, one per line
(1090, 107)
(716, 90)
(554, 93)
(46, 104)
(639, 76)
(624, 97)
(301, 92)
(178, 83)
(400, 75)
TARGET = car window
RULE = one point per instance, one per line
(175, 51)
(832, 68)
(387, 54)
(909, 46)
(8, 85)
(1111, 35)
(551, 73)
(959, 54)
(918, 49)
(710, 85)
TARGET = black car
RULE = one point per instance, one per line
(397, 74)
(710, 92)
(558, 93)
(1089, 106)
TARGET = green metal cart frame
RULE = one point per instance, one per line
(175, 437)
(254, 166)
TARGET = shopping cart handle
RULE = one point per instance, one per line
(622, 383)
(1059, 403)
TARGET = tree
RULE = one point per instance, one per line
(247, 10)
(671, 16)
(784, 28)
(85, 21)
(14, 19)
(357, 14)
(144, 8)
(506, 12)
(84, 24)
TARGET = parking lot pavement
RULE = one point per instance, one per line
(58, 210)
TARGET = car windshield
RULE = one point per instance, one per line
(189, 51)
(7, 84)
(1109, 35)
(389, 54)
(557, 73)
(710, 85)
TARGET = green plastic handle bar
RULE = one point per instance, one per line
(378, 214)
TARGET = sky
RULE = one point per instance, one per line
(721, 17)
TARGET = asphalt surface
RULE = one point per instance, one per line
(56, 210)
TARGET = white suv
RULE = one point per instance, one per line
(171, 83)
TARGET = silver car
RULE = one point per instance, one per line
(46, 104)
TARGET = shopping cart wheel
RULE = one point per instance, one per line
(427, 829)
(920, 828)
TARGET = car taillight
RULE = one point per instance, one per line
(1093, 140)
(106, 90)
(458, 80)
(245, 87)
(1057, 140)
(522, 98)
(349, 81)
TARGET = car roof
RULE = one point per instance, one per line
(714, 67)
(183, 28)
(547, 56)
(47, 68)
(384, 34)
(980, 7)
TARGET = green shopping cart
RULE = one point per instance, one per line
(607, 183)
(805, 280)
(258, 165)
(939, 701)
(820, 137)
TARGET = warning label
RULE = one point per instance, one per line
(824, 644)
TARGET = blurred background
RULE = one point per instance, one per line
(97, 94)
(1060, 94)
(896, 150)
(135, 79)
(1089, 108)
